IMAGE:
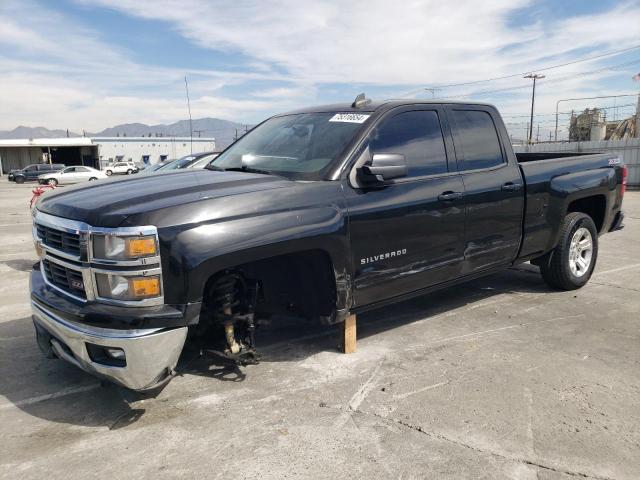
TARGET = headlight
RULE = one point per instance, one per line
(120, 287)
(116, 247)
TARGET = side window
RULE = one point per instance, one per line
(81, 169)
(416, 135)
(477, 142)
(69, 170)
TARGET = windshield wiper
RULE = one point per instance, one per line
(247, 169)
(214, 168)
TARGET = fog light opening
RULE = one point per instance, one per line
(110, 356)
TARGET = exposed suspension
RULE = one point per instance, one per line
(232, 305)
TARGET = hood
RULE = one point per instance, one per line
(108, 203)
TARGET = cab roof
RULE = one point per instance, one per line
(375, 106)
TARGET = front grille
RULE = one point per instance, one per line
(60, 240)
(67, 279)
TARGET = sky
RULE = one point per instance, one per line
(92, 64)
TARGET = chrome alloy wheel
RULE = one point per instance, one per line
(580, 252)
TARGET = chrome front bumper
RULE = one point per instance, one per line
(150, 354)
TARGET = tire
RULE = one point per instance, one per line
(129, 172)
(570, 265)
(108, 173)
(19, 180)
(92, 179)
(53, 182)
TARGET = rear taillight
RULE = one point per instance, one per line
(625, 174)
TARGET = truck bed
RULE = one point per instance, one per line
(553, 181)
(534, 157)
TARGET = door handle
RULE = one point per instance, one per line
(449, 196)
(511, 187)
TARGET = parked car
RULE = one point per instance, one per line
(153, 168)
(32, 172)
(197, 160)
(204, 161)
(70, 175)
(125, 168)
(322, 213)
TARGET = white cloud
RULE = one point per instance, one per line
(382, 41)
(56, 79)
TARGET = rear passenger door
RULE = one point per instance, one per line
(407, 234)
(82, 174)
(493, 188)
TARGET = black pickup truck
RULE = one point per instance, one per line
(32, 172)
(317, 214)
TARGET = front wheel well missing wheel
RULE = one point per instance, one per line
(236, 300)
(300, 284)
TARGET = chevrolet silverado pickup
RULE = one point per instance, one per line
(316, 214)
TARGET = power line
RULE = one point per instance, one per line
(569, 113)
(553, 80)
(520, 74)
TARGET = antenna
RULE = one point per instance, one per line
(360, 101)
(186, 86)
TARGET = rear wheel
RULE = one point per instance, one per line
(53, 182)
(19, 179)
(129, 172)
(109, 173)
(571, 263)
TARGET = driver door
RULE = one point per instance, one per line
(408, 234)
(66, 176)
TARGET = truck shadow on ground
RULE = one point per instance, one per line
(19, 264)
(290, 340)
(55, 391)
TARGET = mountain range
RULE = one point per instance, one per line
(223, 131)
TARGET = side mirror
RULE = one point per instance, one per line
(385, 166)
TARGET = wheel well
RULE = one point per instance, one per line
(300, 283)
(594, 206)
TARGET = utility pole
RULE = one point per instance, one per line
(186, 86)
(199, 132)
(535, 77)
(538, 133)
(638, 117)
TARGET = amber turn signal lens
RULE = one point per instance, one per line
(141, 247)
(146, 287)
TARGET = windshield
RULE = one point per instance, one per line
(300, 146)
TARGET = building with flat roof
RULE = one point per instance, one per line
(98, 152)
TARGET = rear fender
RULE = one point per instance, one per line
(565, 189)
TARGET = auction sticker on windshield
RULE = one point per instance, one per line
(349, 117)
